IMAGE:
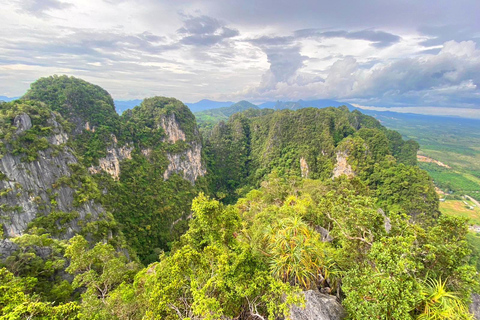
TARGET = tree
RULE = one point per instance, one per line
(17, 303)
(99, 271)
(211, 274)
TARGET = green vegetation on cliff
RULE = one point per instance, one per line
(313, 199)
(76, 99)
(252, 144)
(150, 206)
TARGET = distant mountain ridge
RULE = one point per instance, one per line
(122, 105)
(300, 104)
(206, 104)
(8, 99)
(208, 118)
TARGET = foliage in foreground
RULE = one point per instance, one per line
(253, 258)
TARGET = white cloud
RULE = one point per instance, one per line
(244, 49)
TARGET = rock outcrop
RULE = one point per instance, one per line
(342, 167)
(475, 306)
(59, 136)
(29, 192)
(188, 162)
(172, 129)
(22, 122)
(7, 247)
(111, 163)
(30, 189)
(387, 223)
(304, 167)
(326, 237)
(318, 306)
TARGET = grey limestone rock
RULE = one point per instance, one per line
(387, 223)
(188, 162)
(318, 306)
(475, 306)
(7, 247)
(22, 122)
(342, 167)
(326, 237)
(30, 189)
(111, 163)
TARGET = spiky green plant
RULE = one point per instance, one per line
(439, 303)
(297, 254)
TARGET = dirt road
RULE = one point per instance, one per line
(473, 200)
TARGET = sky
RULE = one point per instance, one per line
(422, 55)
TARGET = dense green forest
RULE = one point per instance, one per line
(233, 221)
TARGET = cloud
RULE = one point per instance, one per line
(272, 41)
(284, 64)
(378, 39)
(452, 77)
(72, 43)
(346, 14)
(283, 55)
(437, 35)
(204, 31)
(39, 8)
(372, 52)
(285, 58)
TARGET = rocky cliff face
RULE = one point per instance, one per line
(47, 174)
(30, 189)
(304, 167)
(342, 167)
(172, 129)
(111, 163)
(187, 162)
(22, 122)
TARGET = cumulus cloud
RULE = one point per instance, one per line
(283, 55)
(286, 61)
(204, 31)
(450, 77)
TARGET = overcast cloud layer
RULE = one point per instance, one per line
(417, 54)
